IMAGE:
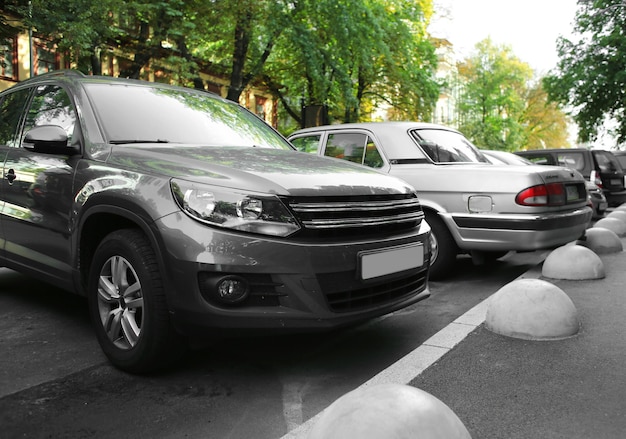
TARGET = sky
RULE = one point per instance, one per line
(530, 27)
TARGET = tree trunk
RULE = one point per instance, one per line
(96, 64)
(242, 42)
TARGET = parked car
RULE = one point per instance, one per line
(597, 200)
(471, 205)
(180, 214)
(598, 166)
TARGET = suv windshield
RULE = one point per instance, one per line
(444, 146)
(137, 114)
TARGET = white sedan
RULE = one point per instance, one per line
(471, 205)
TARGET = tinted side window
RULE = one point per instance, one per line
(349, 147)
(572, 160)
(11, 109)
(51, 105)
(307, 144)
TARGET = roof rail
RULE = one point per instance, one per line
(62, 72)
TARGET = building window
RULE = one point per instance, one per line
(214, 88)
(8, 58)
(46, 60)
(260, 106)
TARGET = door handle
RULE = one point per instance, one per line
(10, 176)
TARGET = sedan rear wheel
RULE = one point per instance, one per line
(127, 304)
(442, 247)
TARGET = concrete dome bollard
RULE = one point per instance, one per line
(619, 214)
(532, 309)
(601, 241)
(614, 224)
(388, 411)
(573, 262)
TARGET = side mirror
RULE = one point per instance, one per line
(48, 139)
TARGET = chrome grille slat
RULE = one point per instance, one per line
(357, 215)
(352, 206)
(356, 222)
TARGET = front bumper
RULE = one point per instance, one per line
(503, 232)
(301, 286)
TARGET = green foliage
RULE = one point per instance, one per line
(78, 27)
(545, 124)
(351, 55)
(493, 99)
(591, 73)
(9, 24)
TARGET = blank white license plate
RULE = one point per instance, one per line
(572, 193)
(615, 182)
(387, 261)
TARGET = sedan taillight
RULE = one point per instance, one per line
(552, 194)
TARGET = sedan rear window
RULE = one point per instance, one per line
(137, 114)
(444, 146)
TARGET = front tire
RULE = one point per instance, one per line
(127, 304)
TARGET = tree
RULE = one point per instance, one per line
(493, 97)
(544, 123)
(591, 73)
(353, 55)
(84, 31)
(347, 54)
(78, 28)
(9, 26)
(237, 38)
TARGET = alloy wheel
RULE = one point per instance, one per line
(120, 302)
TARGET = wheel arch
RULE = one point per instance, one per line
(100, 221)
(446, 220)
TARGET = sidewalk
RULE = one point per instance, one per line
(503, 387)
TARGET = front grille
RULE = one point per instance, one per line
(357, 215)
(346, 296)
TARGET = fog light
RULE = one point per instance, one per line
(232, 290)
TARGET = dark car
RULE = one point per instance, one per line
(596, 165)
(181, 214)
(471, 205)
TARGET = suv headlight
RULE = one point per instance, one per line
(264, 214)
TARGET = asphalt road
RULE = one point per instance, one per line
(55, 382)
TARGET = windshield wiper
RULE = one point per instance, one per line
(122, 142)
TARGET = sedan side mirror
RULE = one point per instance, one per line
(48, 139)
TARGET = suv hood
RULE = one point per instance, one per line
(262, 170)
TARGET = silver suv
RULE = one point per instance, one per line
(178, 214)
